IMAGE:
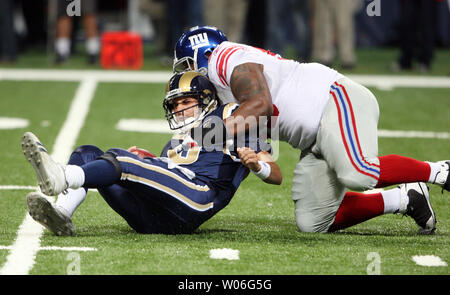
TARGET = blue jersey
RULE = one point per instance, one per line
(153, 197)
(221, 169)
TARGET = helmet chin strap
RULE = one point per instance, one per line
(203, 71)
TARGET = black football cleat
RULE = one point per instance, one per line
(419, 207)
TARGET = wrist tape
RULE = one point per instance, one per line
(264, 172)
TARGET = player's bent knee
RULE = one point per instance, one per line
(307, 228)
(110, 156)
(88, 149)
(84, 154)
(307, 224)
(357, 182)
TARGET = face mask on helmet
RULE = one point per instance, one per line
(182, 111)
(190, 96)
(194, 47)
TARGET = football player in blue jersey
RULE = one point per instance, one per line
(171, 194)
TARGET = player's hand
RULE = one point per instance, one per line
(248, 158)
(141, 153)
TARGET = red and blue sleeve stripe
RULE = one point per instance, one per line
(222, 63)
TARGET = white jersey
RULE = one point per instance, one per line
(300, 91)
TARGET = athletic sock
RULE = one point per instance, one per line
(93, 46)
(74, 176)
(396, 169)
(356, 208)
(62, 46)
(394, 201)
(435, 169)
(99, 173)
(70, 201)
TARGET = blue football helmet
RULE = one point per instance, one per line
(194, 47)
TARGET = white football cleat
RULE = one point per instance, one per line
(443, 177)
(419, 206)
(51, 176)
(52, 218)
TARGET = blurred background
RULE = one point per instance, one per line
(368, 36)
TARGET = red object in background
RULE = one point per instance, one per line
(121, 50)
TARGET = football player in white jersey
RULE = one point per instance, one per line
(330, 118)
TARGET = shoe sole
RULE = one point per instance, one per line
(42, 211)
(426, 194)
(35, 152)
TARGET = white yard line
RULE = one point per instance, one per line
(380, 81)
(144, 125)
(388, 82)
(18, 187)
(75, 119)
(77, 75)
(412, 134)
(30, 188)
(23, 252)
(55, 248)
(161, 126)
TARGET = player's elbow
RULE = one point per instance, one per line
(278, 181)
(274, 180)
(264, 106)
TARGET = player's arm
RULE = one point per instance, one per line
(261, 164)
(249, 87)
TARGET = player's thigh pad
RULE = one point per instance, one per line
(347, 136)
(84, 154)
(317, 194)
